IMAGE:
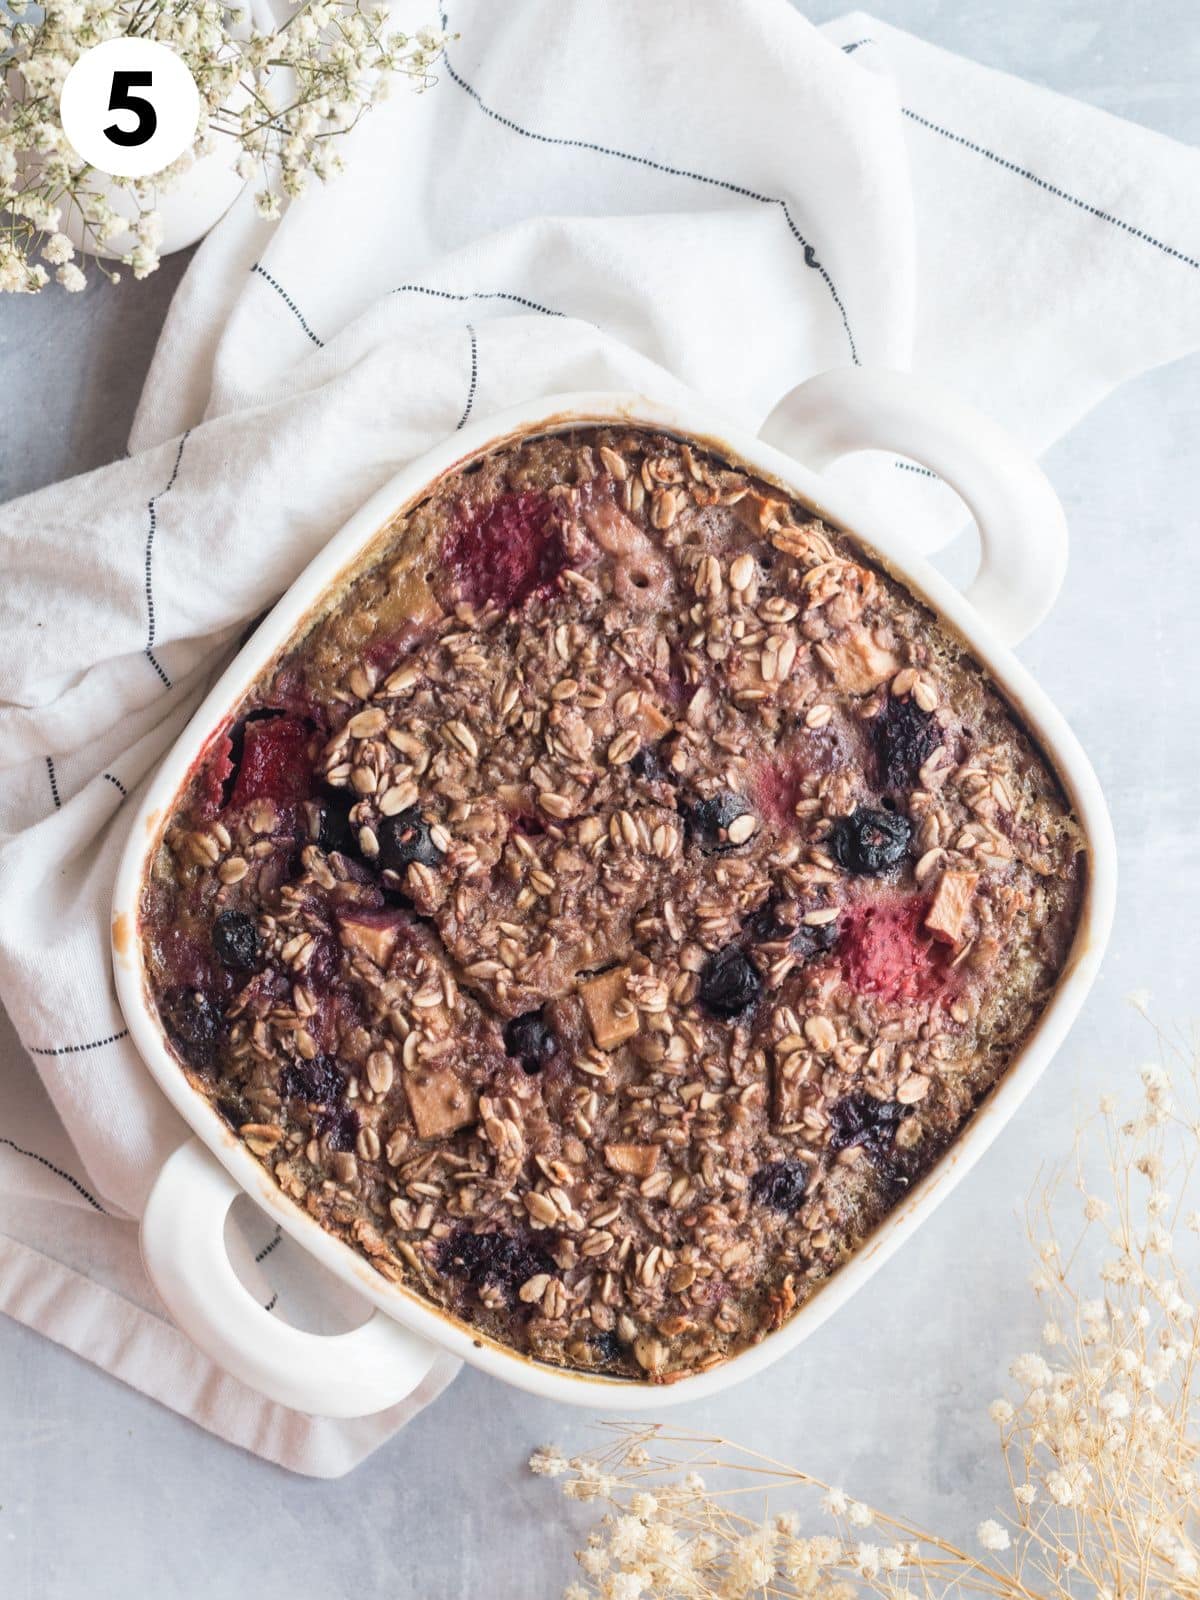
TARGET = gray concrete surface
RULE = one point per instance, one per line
(105, 1494)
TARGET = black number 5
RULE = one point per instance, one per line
(121, 100)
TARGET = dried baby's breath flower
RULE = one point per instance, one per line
(866, 1560)
(548, 1462)
(282, 96)
(1101, 1440)
(1030, 1370)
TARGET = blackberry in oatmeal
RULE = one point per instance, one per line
(619, 894)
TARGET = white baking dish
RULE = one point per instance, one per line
(1023, 540)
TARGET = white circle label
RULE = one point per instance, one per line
(130, 107)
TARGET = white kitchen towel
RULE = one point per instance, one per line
(711, 196)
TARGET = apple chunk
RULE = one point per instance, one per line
(611, 1015)
(440, 1102)
(948, 912)
(370, 933)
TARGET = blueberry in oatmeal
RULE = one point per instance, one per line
(806, 934)
(729, 982)
(870, 841)
(496, 1260)
(334, 828)
(780, 1185)
(646, 764)
(714, 821)
(606, 1348)
(406, 838)
(813, 939)
(192, 1023)
(777, 920)
(860, 1119)
(235, 941)
(860, 1122)
(617, 894)
(339, 1127)
(319, 1081)
(905, 736)
(530, 1041)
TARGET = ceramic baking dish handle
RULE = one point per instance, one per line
(1022, 530)
(183, 1247)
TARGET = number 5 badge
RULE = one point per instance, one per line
(130, 107)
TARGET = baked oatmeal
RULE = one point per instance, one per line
(612, 902)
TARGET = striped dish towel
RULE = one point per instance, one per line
(715, 197)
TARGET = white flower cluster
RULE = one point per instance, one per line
(1103, 1436)
(283, 97)
(677, 1540)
